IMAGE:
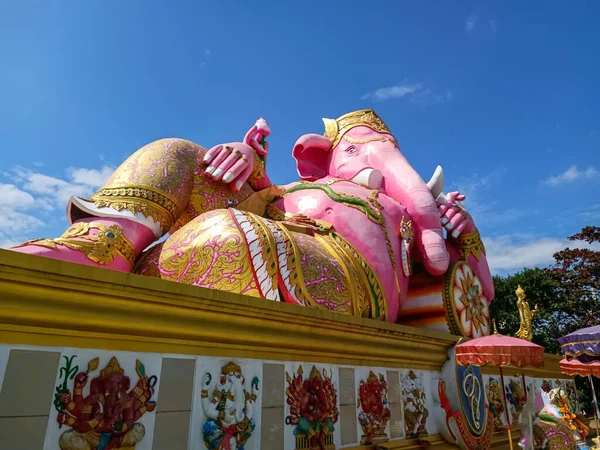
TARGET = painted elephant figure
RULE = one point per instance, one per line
(554, 426)
(361, 233)
(228, 409)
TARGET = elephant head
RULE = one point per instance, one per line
(359, 147)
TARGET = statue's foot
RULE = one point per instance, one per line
(63, 253)
(112, 243)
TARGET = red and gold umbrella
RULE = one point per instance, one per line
(501, 351)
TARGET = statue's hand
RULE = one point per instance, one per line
(453, 216)
(65, 398)
(62, 418)
(81, 380)
(231, 163)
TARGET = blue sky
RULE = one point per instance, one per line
(504, 95)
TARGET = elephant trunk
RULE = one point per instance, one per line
(405, 185)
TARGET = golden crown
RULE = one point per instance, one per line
(112, 367)
(231, 368)
(335, 128)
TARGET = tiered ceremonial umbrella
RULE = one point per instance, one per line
(501, 351)
(582, 357)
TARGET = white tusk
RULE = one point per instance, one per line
(371, 178)
(436, 184)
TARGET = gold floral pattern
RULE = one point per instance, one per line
(211, 252)
(467, 308)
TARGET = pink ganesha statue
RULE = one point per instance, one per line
(361, 233)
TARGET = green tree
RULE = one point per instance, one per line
(577, 272)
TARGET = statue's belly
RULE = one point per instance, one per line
(371, 230)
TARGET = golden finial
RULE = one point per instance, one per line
(335, 128)
(495, 328)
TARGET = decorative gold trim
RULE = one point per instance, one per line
(102, 248)
(335, 128)
(469, 244)
(163, 208)
(352, 140)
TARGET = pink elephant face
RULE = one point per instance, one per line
(356, 152)
(362, 148)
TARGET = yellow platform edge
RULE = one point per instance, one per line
(51, 303)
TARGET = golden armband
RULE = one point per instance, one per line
(469, 244)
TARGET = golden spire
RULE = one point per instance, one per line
(335, 128)
(495, 328)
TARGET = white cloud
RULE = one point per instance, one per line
(471, 22)
(90, 177)
(398, 91)
(511, 253)
(32, 194)
(416, 93)
(14, 198)
(426, 98)
(572, 174)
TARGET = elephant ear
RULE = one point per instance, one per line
(312, 153)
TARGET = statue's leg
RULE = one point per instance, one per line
(243, 253)
(72, 440)
(159, 188)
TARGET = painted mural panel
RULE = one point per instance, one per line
(313, 406)
(515, 397)
(372, 406)
(495, 399)
(415, 399)
(103, 400)
(227, 404)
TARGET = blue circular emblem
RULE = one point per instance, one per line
(472, 398)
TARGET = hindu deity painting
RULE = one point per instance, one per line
(95, 405)
(312, 407)
(373, 408)
(515, 398)
(496, 402)
(415, 404)
(227, 404)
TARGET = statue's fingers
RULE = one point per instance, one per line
(449, 214)
(443, 208)
(236, 169)
(225, 166)
(210, 154)
(219, 157)
(245, 170)
(456, 220)
(459, 229)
